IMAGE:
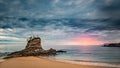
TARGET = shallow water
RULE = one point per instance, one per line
(90, 55)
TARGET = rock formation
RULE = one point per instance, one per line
(34, 42)
(34, 48)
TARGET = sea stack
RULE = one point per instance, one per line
(33, 48)
(34, 43)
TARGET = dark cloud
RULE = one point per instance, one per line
(113, 6)
(91, 24)
(59, 17)
(57, 8)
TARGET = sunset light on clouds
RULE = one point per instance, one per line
(86, 40)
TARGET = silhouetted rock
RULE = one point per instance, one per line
(61, 51)
(33, 48)
(112, 45)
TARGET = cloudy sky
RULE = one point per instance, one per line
(60, 22)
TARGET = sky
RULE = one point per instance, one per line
(60, 22)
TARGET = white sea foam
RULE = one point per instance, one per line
(1, 60)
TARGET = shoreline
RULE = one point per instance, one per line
(40, 62)
(91, 63)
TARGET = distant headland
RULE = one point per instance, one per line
(111, 45)
(34, 48)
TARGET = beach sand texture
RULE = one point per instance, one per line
(39, 62)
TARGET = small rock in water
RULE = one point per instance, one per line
(61, 51)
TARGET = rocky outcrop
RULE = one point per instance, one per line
(34, 42)
(33, 48)
(112, 45)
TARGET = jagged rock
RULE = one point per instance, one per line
(52, 51)
(33, 48)
(34, 42)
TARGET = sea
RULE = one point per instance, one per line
(85, 55)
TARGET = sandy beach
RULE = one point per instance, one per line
(37, 62)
